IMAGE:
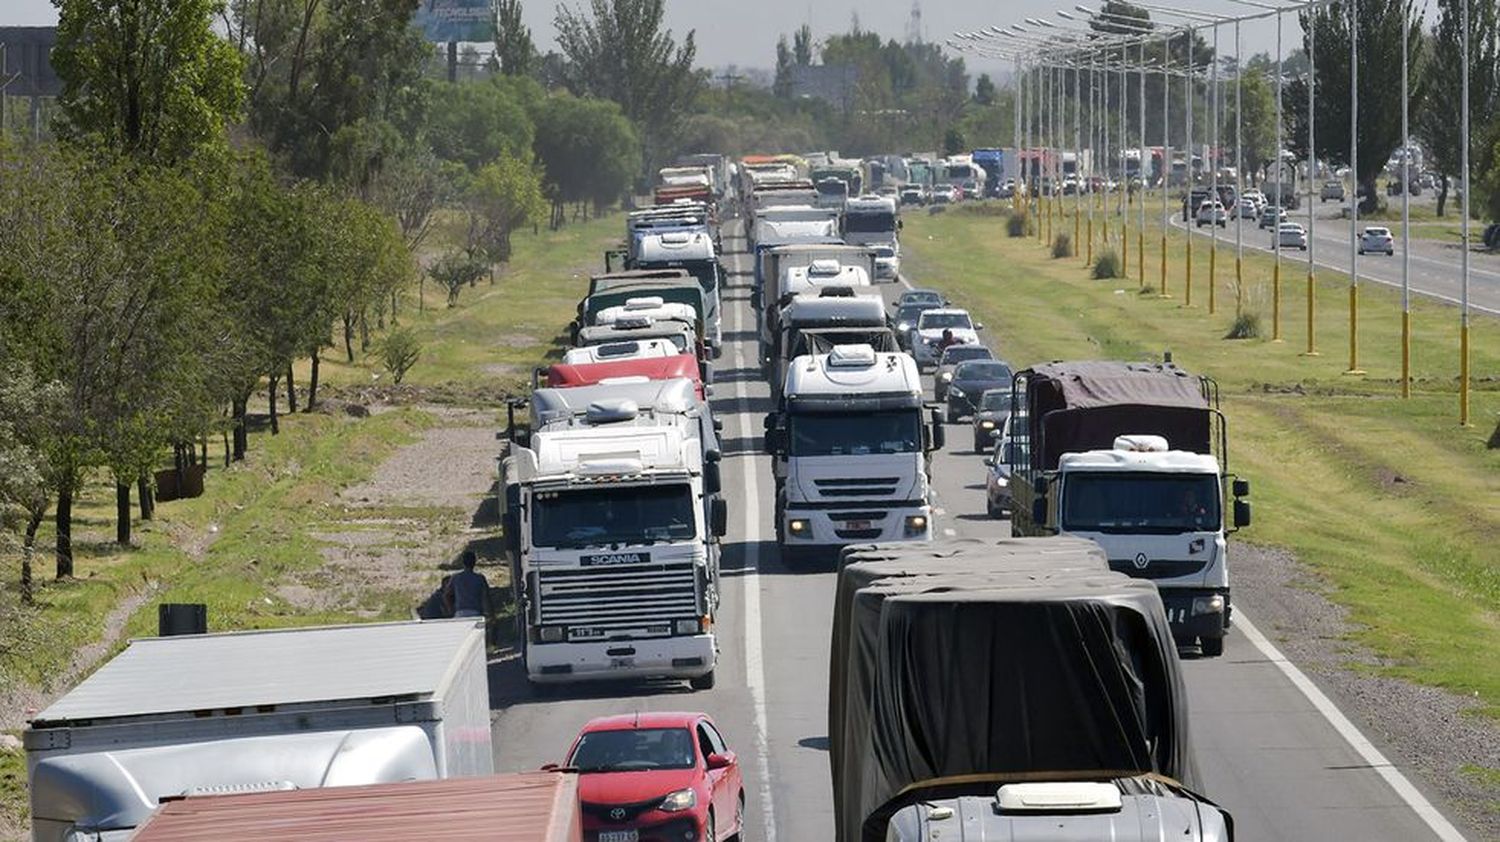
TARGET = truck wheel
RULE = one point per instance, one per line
(1212, 647)
(993, 510)
(702, 682)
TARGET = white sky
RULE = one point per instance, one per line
(744, 32)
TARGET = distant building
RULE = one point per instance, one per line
(27, 52)
(832, 83)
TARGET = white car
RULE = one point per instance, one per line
(1378, 240)
(1212, 213)
(1257, 197)
(1290, 235)
(1248, 209)
(931, 326)
(888, 260)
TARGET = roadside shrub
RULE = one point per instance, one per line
(1107, 265)
(1148, 290)
(399, 352)
(1246, 326)
(1015, 225)
(1062, 246)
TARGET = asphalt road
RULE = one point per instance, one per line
(1436, 269)
(1264, 750)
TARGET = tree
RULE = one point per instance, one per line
(29, 411)
(1258, 127)
(621, 52)
(454, 271)
(954, 142)
(1382, 24)
(984, 90)
(399, 352)
(1438, 115)
(802, 46)
(152, 80)
(588, 149)
(502, 197)
(513, 46)
(782, 86)
(474, 123)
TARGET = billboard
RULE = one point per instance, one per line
(456, 20)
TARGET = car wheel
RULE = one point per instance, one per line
(739, 819)
(1212, 647)
(1391, 253)
(978, 446)
(702, 682)
(711, 833)
(991, 509)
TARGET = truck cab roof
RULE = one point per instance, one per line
(851, 310)
(675, 247)
(592, 454)
(853, 369)
(1126, 461)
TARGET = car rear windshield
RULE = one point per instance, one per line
(959, 353)
(996, 400)
(982, 370)
(639, 750)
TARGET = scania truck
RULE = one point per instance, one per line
(850, 440)
(612, 519)
(1132, 456)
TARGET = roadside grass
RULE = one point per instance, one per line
(1388, 499)
(486, 346)
(13, 799)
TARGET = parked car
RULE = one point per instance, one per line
(948, 363)
(1332, 191)
(657, 776)
(970, 381)
(1212, 213)
(1290, 235)
(1376, 239)
(997, 497)
(989, 417)
(1271, 217)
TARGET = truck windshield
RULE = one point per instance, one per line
(602, 516)
(870, 223)
(856, 433)
(637, 750)
(946, 320)
(1159, 503)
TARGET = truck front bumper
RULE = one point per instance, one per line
(1195, 613)
(667, 657)
(821, 533)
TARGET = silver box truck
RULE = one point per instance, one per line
(260, 710)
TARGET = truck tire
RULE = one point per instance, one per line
(704, 682)
(1212, 647)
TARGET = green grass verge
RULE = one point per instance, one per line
(1388, 499)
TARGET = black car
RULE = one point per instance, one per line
(948, 363)
(905, 321)
(989, 418)
(970, 381)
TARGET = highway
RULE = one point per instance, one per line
(1265, 750)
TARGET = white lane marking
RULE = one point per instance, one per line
(755, 669)
(1351, 734)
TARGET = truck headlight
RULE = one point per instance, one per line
(916, 524)
(1208, 604)
(902, 327)
(693, 626)
(682, 799)
(799, 528)
(551, 634)
(947, 376)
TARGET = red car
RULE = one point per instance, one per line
(657, 777)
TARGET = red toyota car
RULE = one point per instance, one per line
(657, 777)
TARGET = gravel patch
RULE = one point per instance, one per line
(1427, 730)
(449, 466)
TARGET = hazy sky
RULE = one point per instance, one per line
(744, 32)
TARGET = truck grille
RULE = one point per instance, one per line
(637, 601)
(1157, 568)
(864, 487)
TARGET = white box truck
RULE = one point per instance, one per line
(260, 710)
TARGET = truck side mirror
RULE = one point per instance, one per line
(939, 433)
(713, 477)
(1241, 513)
(1039, 511)
(1039, 485)
(1241, 488)
(769, 421)
(718, 517)
(718, 425)
(775, 441)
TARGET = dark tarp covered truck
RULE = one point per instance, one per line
(1133, 456)
(963, 669)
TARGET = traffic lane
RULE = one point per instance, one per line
(1431, 276)
(1264, 752)
(529, 730)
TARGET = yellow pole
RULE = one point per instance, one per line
(1050, 203)
(1124, 247)
(1354, 330)
(1312, 315)
(1405, 353)
(1187, 300)
(1276, 301)
(1077, 216)
(1090, 258)
(1164, 293)
(1140, 254)
(1463, 372)
(1213, 277)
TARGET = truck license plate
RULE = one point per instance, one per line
(621, 663)
(857, 524)
(619, 835)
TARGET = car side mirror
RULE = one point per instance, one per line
(720, 761)
(979, 325)
(989, 461)
(718, 516)
(775, 441)
(1241, 514)
(550, 767)
(1241, 488)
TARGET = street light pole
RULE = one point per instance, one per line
(1140, 237)
(1354, 368)
(1312, 176)
(1166, 157)
(1280, 201)
(1405, 215)
(1191, 214)
(1239, 177)
(1463, 325)
(1214, 132)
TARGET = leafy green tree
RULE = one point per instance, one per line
(782, 86)
(476, 122)
(619, 50)
(1382, 25)
(454, 271)
(513, 45)
(150, 79)
(588, 149)
(1258, 127)
(502, 197)
(984, 90)
(1438, 115)
(954, 142)
(802, 46)
(29, 411)
(399, 352)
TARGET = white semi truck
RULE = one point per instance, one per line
(612, 516)
(174, 717)
(850, 441)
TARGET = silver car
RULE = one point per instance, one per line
(1290, 235)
